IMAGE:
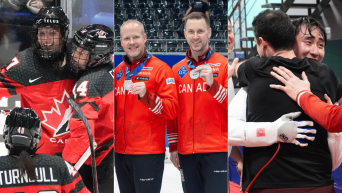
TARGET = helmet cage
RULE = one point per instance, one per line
(53, 17)
(99, 50)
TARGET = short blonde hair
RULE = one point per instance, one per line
(133, 21)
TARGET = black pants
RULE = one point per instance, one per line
(320, 189)
(204, 172)
(105, 174)
(139, 173)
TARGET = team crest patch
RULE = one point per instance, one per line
(260, 132)
(119, 75)
(102, 34)
(182, 71)
(170, 81)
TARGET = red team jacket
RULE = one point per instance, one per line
(324, 114)
(54, 175)
(93, 92)
(140, 123)
(44, 89)
(202, 122)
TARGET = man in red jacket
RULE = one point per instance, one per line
(198, 137)
(145, 95)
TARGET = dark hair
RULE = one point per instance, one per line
(309, 22)
(26, 165)
(198, 16)
(276, 28)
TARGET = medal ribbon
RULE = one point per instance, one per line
(192, 66)
(137, 69)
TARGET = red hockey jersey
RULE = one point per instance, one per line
(140, 123)
(53, 175)
(93, 92)
(44, 89)
(202, 123)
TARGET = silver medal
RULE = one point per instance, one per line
(127, 84)
(193, 74)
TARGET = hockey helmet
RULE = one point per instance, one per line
(50, 32)
(91, 46)
(22, 130)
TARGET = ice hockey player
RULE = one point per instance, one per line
(90, 54)
(40, 75)
(25, 171)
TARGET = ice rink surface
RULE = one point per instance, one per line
(171, 179)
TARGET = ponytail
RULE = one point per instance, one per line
(26, 165)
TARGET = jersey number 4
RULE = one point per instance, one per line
(82, 89)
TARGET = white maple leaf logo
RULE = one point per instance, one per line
(58, 118)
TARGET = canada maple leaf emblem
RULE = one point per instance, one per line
(130, 136)
(189, 130)
(187, 134)
(58, 117)
(200, 133)
(125, 142)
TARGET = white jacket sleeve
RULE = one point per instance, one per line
(231, 95)
(231, 92)
(249, 134)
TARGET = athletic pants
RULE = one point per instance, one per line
(321, 189)
(204, 172)
(139, 173)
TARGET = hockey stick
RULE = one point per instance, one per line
(84, 157)
(83, 118)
